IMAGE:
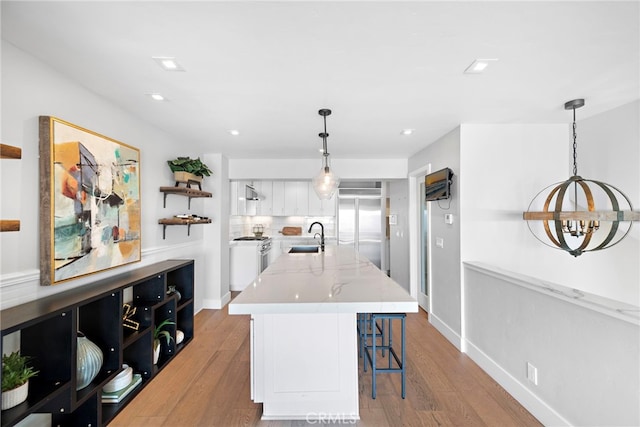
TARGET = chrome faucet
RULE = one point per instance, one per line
(321, 233)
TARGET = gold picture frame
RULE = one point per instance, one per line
(89, 202)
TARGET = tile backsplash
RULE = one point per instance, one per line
(243, 225)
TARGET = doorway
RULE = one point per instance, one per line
(423, 253)
(419, 232)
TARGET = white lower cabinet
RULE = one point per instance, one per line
(305, 366)
(276, 250)
(243, 265)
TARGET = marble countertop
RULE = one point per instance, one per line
(338, 280)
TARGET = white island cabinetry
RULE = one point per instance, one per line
(304, 361)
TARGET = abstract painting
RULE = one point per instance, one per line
(89, 202)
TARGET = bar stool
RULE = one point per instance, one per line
(364, 326)
(371, 348)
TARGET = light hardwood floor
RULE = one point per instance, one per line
(207, 384)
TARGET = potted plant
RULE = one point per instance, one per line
(188, 170)
(160, 332)
(15, 379)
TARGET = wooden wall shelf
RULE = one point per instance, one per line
(180, 221)
(10, 152)
(183, 191)
(9, 225)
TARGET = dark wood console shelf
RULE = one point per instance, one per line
(47, 332)
(183, 191)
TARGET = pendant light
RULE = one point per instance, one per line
(580, 215)
(325, 183)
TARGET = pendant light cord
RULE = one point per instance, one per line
(324, 139)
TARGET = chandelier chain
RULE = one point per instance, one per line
(575, 145)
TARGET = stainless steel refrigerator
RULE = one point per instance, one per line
(360, 221)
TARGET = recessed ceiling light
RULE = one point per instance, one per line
(479, 65)
(234, 132)
(168, 63)
(407, 131)
(157, 97)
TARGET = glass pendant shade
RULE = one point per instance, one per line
(325, 183)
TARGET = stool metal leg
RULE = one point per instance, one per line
(403, 359)
(373, 363)
(371, 350)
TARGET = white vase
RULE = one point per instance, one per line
(14, 397)
(89, 361)
(156, 351)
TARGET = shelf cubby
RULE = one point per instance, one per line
(46, 330)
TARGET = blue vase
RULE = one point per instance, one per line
(89, 361)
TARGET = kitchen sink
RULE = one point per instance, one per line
(304, 249)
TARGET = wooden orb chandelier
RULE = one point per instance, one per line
(580, 215)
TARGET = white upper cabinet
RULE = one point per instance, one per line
(279, 198)
(318, 207)
(237, 204)
(264, 189)
(296, 198)
(277, 206)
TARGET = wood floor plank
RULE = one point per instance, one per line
(208, 384)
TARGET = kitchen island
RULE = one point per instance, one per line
(304, 352)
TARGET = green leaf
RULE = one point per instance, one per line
(187, 164)
(15, 370)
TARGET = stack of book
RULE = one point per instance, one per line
(117, 396)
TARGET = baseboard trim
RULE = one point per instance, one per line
(538, 408)
(446, 331)
(216, 304)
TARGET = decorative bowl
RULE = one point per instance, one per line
(120, 381)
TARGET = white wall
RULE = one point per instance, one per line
(585, 349)
(444, 270)
(305, 169)
(502, 326)
(505, 166)
(399, 233)
(216, 236)
(30, 89)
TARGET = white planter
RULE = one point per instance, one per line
(186, 177)
(14, 397)
(156, 351)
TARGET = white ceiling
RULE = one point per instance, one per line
(265, 68)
